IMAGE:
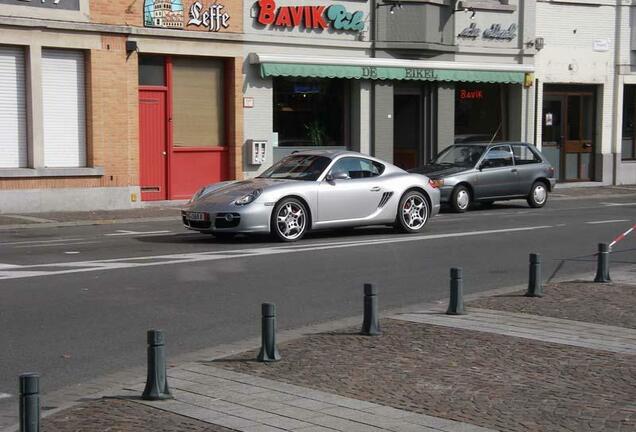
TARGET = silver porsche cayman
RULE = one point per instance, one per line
(315, 190)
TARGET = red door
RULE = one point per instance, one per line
(152, 143)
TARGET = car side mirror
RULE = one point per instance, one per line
(329, 178)
(339, 175)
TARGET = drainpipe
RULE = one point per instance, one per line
(617, 129)
(374, 36)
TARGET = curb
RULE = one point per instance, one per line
(88, 223)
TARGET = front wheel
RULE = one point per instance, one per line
(289, 220)
(538, 195)
(412, 213)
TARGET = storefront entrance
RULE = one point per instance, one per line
(568, 131)
(412, 126)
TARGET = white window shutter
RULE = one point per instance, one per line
(13, 118)
(64, 108)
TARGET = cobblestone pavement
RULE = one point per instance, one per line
(609, 304)
(115, 415)
(500, 382)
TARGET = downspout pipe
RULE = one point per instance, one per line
(616, 148)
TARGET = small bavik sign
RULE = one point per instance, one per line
(319, 17)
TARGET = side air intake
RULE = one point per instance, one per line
(386, 196)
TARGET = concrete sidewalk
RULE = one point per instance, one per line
(169, 210)
(511, 363)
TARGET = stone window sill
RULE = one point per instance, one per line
(486, 5)
(51, 172)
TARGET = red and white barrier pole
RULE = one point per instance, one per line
(622, 236)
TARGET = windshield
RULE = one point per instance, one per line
(298, 167)
(460, 155)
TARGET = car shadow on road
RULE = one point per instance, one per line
(342, 234)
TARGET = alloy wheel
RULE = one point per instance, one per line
(291, 221)
(415, 212)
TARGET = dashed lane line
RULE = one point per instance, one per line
(607, 221)
(60, 268)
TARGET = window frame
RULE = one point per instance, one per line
(633, 119)
(381, 167)
(485, 157)
(536, 160)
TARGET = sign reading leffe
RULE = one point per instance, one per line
(213, 19)
(171, 14)
(309, 17)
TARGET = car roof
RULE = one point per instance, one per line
(332, 154)
(494, 143)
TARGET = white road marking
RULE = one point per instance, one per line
(6, 266)
(71, 252)
(617, 204)
(607, 221)
(5, 395)
(57, 240)
(157, 260)
(30, 218)
(131, 233)
(56, 244)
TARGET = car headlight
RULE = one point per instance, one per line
(248, 198)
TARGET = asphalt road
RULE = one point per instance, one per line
(75, 302)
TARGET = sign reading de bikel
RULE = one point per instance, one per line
(309, 17)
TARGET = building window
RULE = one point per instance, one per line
(311, 112)
(198, 102)
(629, 116)
(152, 70)
(480, 112)
(13, 133)
(63, 106)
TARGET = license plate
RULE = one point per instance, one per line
(197, 216)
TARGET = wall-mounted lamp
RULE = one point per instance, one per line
(537, 43)
(131, 46)
(467, 10)
(392, 6)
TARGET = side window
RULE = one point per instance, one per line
(525, 156)
(357, 168)
(498, 157)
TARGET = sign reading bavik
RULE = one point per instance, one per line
(310, 17)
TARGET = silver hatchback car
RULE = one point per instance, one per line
(488, 172)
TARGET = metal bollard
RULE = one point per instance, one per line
(535, 284)
(29, 402)
(269, 352)
(371, 321)
(157, 381)
(602, 263)
(456, 304)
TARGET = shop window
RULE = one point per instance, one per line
(480, 112)
(64, 108)
(13, 145)
(152, 70)
(311, 112)
(629, 116)
(198, 102)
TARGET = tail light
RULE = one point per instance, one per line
(551, 171)
(436, 183)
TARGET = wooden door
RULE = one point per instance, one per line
(152, 143)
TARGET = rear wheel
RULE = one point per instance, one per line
(290, 219)
(538, 195)
(460, 199)
(413, 212)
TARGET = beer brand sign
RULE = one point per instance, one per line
(494, 32)
(186, 15)
(309, 17)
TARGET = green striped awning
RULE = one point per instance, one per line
(389, 73)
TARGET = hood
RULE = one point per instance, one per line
(435, 171)
(226, 192)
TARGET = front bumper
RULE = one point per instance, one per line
(252, 218)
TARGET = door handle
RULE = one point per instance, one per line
(375, 189)
(164, 153)
(587, 145)
(514, 170)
